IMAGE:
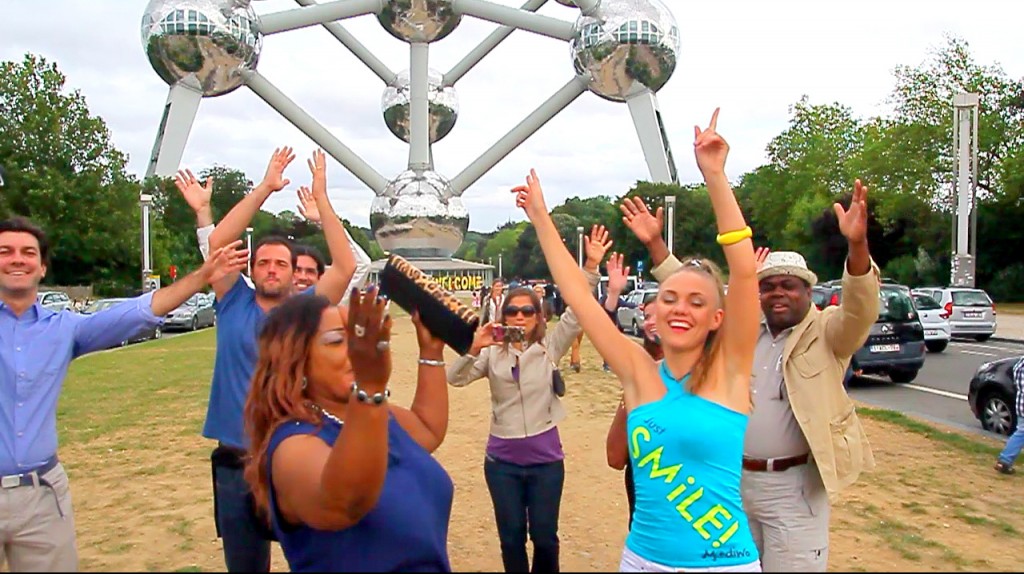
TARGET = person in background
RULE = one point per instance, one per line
(690, 410)
(308, 208)
(1015, 443)
(309, 267)
(524, 461)
(37, 524)
(492, 302)
(545, 307)
(344, 475)
(241, 311)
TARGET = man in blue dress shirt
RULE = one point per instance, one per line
(37, 531)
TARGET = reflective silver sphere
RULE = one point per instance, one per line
(210, 40)
(632, 49)
(444, 106)
(416, 21)
(418, 215)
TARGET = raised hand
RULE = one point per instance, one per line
(645, 226)
(760, 256)
(307, 205)
(595, 246)
(530, 197)
(710, 148)
(224, 261)
(196, 196)
(853, 222)
(274, 178)
(618, 275)
(318, 167)
(484, 337)
(369, 339)
(430, 345)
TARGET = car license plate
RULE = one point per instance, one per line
(884, 348)
(972, 314)
(931, 333)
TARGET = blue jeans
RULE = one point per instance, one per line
(526, 499)
(1014, 444)
(246, 547)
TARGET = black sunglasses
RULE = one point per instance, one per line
(526, 310)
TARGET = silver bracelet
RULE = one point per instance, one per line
(432, 363)
(375, 399)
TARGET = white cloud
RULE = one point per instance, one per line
(753, 58)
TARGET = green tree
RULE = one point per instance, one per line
(504, 242)
(65, 174)
(528, 259)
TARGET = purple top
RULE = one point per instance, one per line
(537, 449)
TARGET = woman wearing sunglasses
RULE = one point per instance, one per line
(686, 415)
(523, 465)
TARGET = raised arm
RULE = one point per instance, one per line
(234, 223)
(560, 339)
(309, 210)
(332, 488)
(198, 198)
(343, 264)
(623, 355)
(225, 261)
(742, 307)
(426, 420)
(847, 329)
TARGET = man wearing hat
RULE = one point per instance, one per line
(804, 442)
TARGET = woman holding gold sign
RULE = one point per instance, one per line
(686, 414)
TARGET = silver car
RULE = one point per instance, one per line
(971, 312)
(934, 320)
(193, 314)
(630, 315)
(56, 301)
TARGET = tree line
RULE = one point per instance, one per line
(64, 172)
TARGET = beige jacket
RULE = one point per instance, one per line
(529, 407)
(815, 359)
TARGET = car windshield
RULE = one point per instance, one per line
(971, 298)
(895, 304)
(925, 303)
(819, 297)
(193, 301)
(99, 306)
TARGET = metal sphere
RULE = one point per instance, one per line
(632, 47)
(209, 41)
(417, 21)
(443, 102)
(418, 215)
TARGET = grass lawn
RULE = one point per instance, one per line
(130, 423)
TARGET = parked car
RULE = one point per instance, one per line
(56, 301)
(630, 315)
(896, 345)
(196, 313)
(971, 311)
(992, 396)
(934, 320)
(602, 286)
(144, 335)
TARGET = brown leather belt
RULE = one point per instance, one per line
(774, 464)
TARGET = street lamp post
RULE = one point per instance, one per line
(500, 273)
(145, 201)
(579, 245)
(248, 247)
(670, 221)
(965, 184)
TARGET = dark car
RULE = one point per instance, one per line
(895, 346)
(992, 396)
(144, 335)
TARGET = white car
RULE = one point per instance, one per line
(935, 321)
(970, 312)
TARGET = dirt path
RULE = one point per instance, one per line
(143, 498)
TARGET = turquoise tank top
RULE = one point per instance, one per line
(687, 455)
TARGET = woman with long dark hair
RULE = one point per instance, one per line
(345, 477)
(687, 414)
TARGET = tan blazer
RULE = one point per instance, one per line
(815, 359)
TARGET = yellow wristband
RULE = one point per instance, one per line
(733, 237)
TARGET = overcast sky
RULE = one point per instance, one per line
(754, 58)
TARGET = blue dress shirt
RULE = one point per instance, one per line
(35, 351)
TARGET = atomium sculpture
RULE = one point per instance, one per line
(621, 50)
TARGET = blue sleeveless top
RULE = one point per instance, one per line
(687, 454)
(407, 531)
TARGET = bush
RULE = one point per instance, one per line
(1007, 286)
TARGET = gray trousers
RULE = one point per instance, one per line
(37, 526)
(789, 514)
